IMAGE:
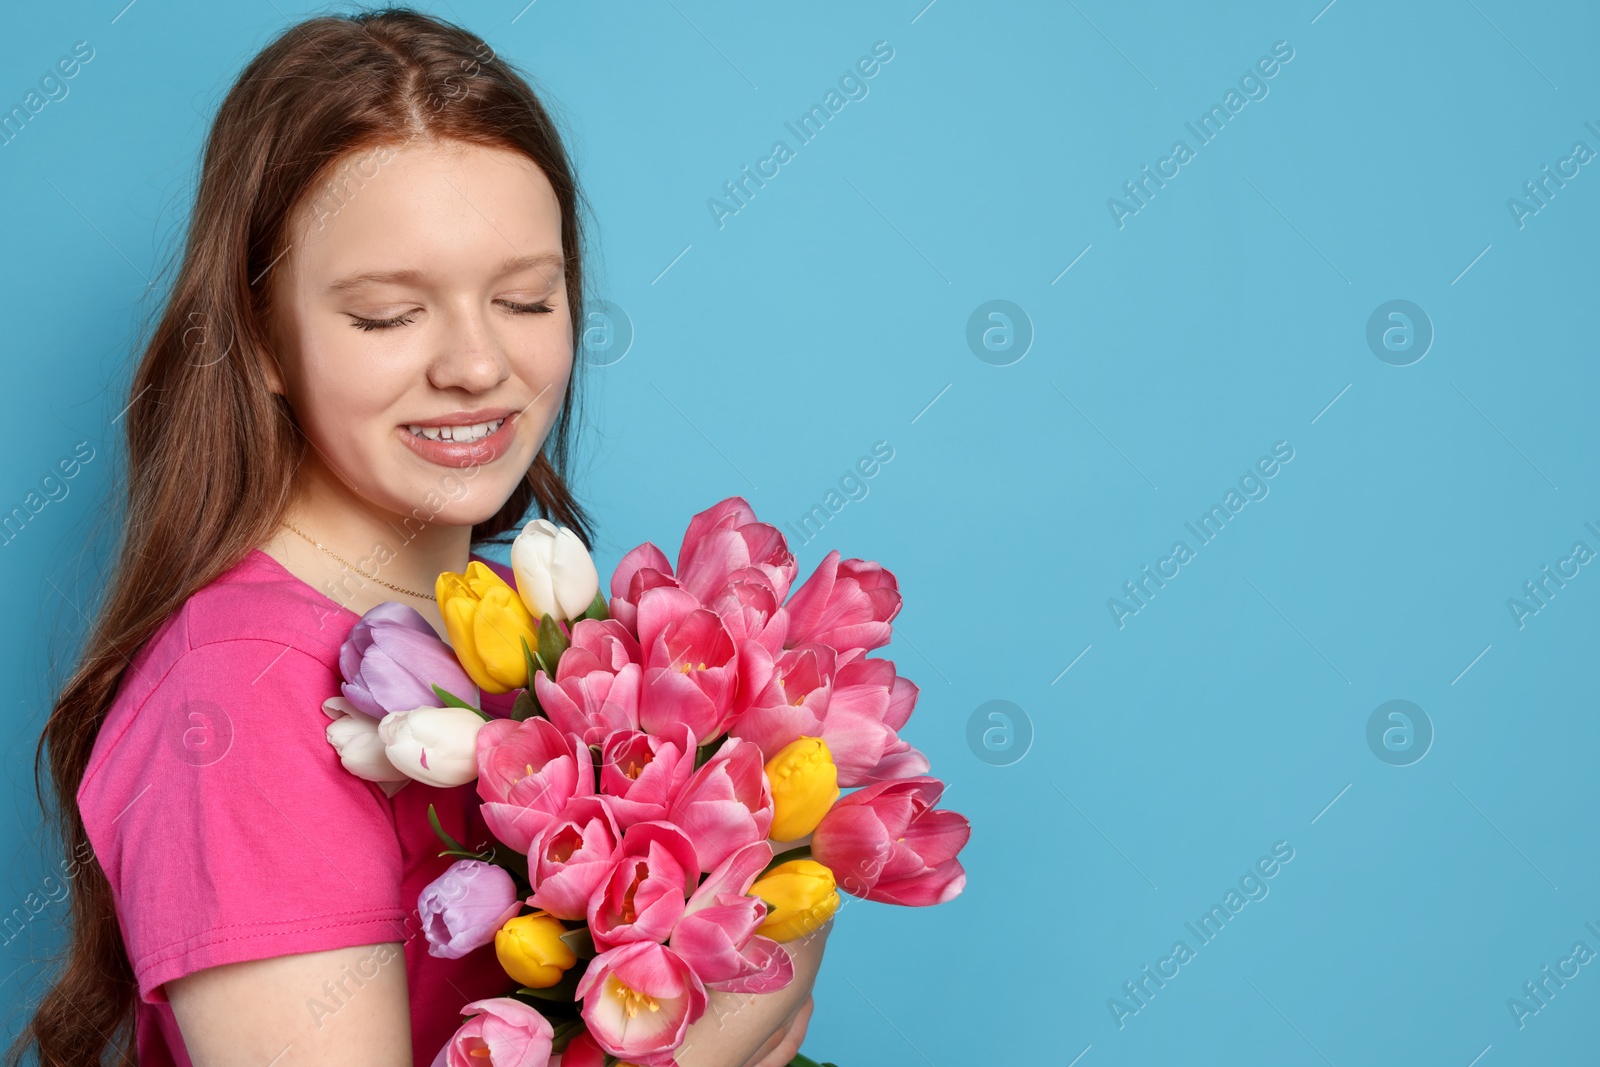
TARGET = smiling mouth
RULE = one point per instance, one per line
(475, 432)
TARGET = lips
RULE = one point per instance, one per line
(462, 439)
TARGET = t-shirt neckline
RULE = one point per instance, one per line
(273, 564)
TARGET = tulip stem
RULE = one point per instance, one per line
(449, 842)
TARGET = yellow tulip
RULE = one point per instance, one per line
(487, 623)
(805, 783)
(531, 950)
(801, 896)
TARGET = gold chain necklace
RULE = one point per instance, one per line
(358, 570)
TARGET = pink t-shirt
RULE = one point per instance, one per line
(230, 831)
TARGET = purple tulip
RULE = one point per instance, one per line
(392, 659)
(465, 907)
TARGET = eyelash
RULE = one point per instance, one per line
(360, 323)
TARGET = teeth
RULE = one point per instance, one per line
(475, 432)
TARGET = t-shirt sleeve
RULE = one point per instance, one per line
(227, 826)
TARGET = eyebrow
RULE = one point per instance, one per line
(539, 261)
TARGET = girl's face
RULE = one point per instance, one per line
(423, 336)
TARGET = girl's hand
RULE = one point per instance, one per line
(756, 1029)
(784, 1045)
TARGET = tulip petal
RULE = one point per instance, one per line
(772, 969)
(574, 578)
(732, 876)
(938, 885)
(644, 556)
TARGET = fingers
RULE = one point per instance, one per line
(788, 1040)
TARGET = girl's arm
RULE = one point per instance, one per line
(251, 1014)
(263, 1012)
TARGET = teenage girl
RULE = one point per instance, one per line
(365, 366)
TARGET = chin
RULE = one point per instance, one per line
(465, 499)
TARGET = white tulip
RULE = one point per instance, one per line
(436, 746)
(554, 573)
(355, 737)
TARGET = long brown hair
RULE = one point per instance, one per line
(211, 451)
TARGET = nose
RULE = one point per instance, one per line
(471, 358)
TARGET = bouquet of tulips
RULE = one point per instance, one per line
(665, 794)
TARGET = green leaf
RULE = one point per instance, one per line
(552, 642)
(465, 855)
(707, 750)
(596, 609)
(530, 659)
(453, 701)
(450, 842)
(564, 1033)
(564, 990)
(581, 942)
(526, 706)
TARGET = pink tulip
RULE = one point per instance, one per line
(887, 842)
(464, 907)
(642, 568)
(643, 892)
(748, 606)
(571, 856)
(502, 1031)
(726, 538)
(716, 934)
(690, 667)
(856, 708)
(730, 562)
(782, 695)
(638, 1002)
(847, 604)
(597, 683)
(867, 707)
(726, 804)
(642, 774)
(527, 771)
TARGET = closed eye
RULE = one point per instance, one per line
(539, 307)
(379, 324)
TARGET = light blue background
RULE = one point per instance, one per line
(831, 312)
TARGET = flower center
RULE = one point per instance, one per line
(632, 999)
(629, 912)
(564, 845)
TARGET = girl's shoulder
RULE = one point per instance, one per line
(257, 598)
(251, 639)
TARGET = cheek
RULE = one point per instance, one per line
(544, 362)
(347, 388)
